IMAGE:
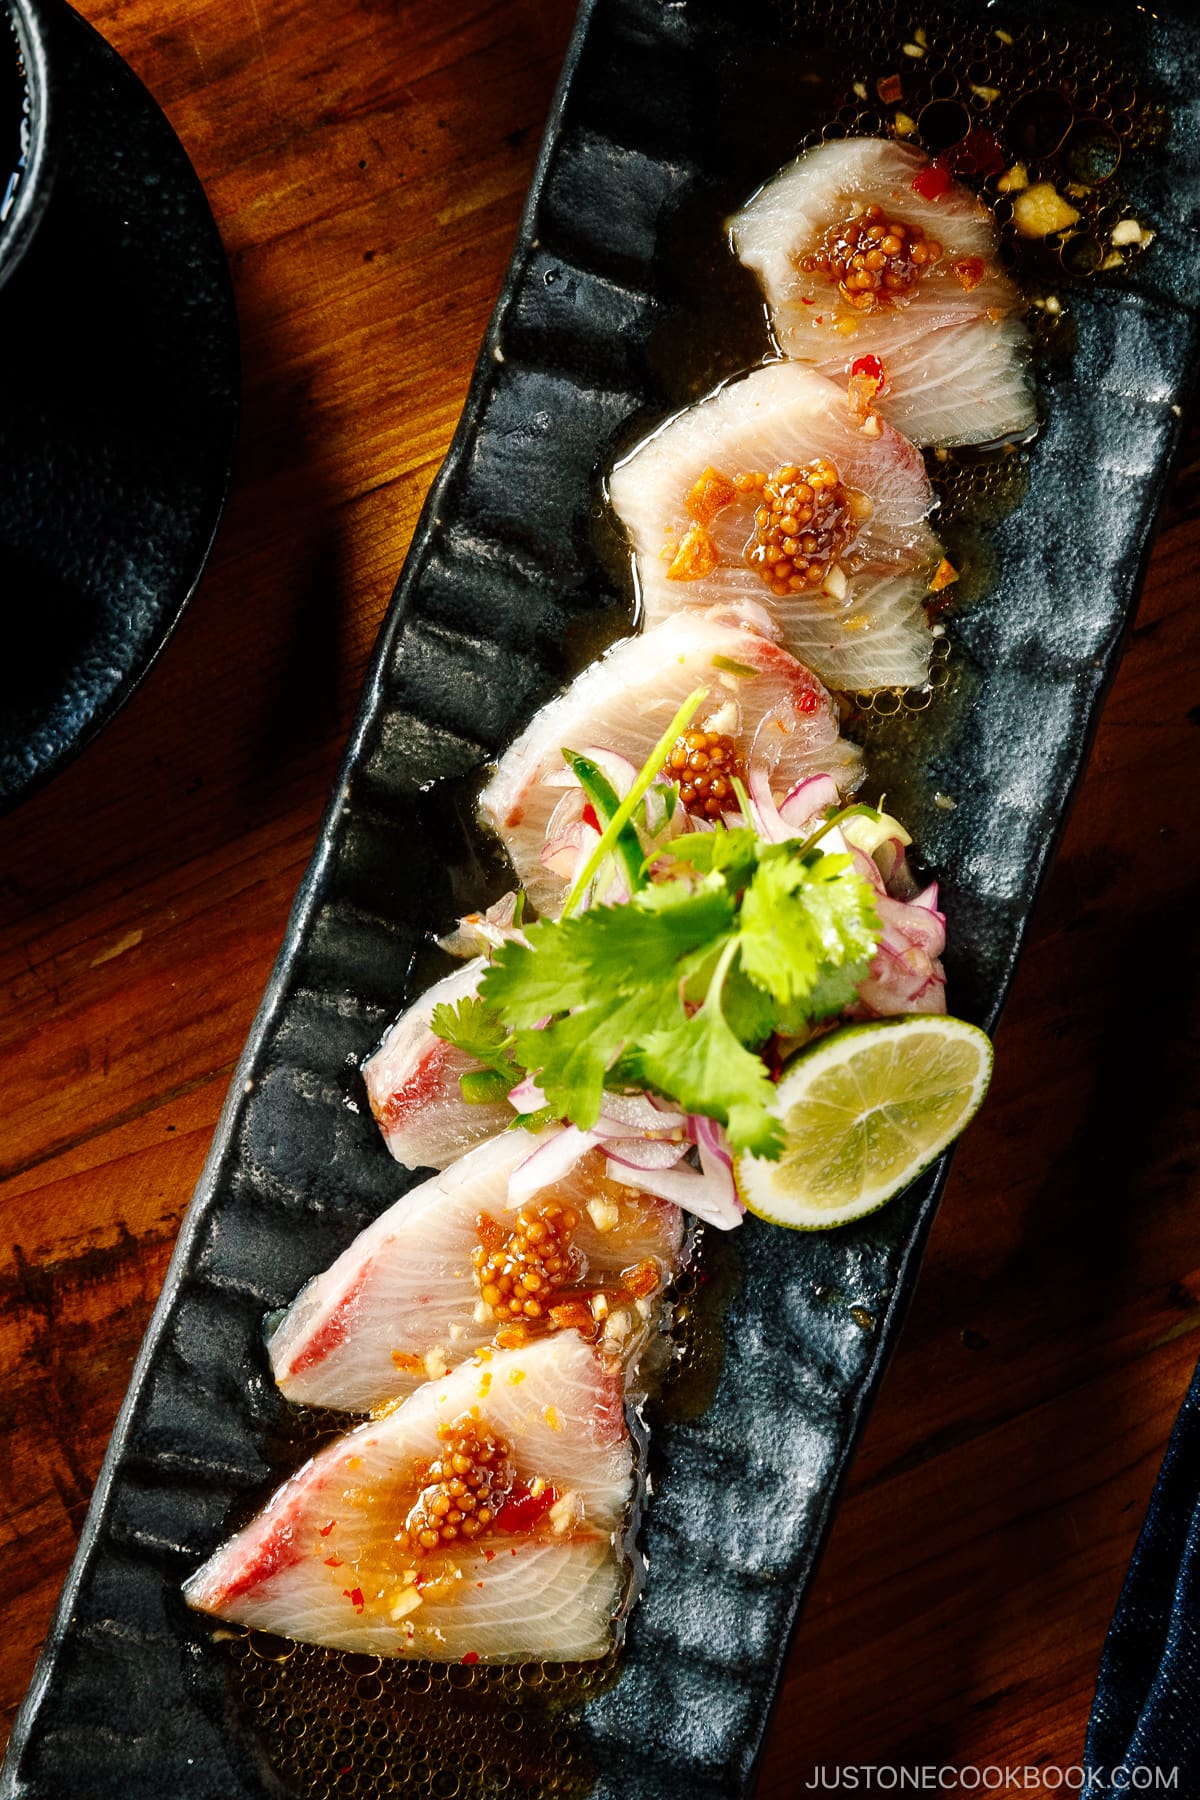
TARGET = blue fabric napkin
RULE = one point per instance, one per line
(1146, 1713)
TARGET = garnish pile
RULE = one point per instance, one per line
(724, 943)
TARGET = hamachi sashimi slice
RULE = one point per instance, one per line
(625, 702)
(332, 1558)
(403, 1299)
(955, 350)
(872, 631)
(413, 1083)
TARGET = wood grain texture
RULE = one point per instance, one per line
(367, 163)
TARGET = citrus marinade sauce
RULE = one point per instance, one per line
(532, 1277)
(466, 1498)
(875, 262)
(801, 518)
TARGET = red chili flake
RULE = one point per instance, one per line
(808, 702)
(931, 183)
(979, 153)
(590, 817)
(489, 1556)
(889, 88)
(970, 271)
(870, 369)
(522, 1510)
(472, 1656)
(805, 301)
(332, 1562)
(326, 1529)
(355, 1597)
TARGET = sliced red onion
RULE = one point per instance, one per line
(712, 1143)
(865, 865)
(620, 771)
(766, 817)
(562, 855)
(567, 813)
(905, 982)
(555, 1156)
(646, 1153)
(610, 886)
(639, 1112)
(708, 1195)
(905, 925)
(808, 798)
(928, 898)
(527, 1096)
(889, 859)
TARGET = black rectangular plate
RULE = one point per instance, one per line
(669, 111)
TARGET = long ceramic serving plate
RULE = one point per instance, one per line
(620, 304)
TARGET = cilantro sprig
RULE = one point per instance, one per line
(678, 989)
(476, 1029)
(725, 941)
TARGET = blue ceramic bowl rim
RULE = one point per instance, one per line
(34, 190)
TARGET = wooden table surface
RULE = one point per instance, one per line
(366, 161)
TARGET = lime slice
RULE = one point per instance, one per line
(866, 1109)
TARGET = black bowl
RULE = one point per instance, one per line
(120, 388)
(26, 168)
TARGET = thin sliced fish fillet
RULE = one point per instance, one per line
(322, 1564)
(403, 1296)
(877, 634)
(413, 1083)
(625, 702)
(957, 362)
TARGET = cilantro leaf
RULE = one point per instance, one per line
(681, 986)
(808, 930)
(732, 854)
(608, 951)
(478, 1030)
(473, 1027)
(700, 1062)
(573, 1055)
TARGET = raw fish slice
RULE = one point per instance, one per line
(966, 384)
(626, 701)
(871, 632)
(413, 1084)
(956, 359)
(329, 1560)
(403, 1300)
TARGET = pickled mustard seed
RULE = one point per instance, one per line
(805, 521)
(875, 261)
(461, 1489)
(519, 1270)
(704, 766)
